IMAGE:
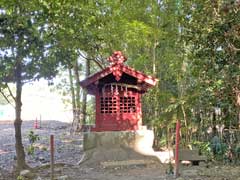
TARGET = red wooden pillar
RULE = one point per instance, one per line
(139, 110)
(176, 170)
(98, 111)
(52, 156)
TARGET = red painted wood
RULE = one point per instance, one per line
(176, 171)
(52, 156)
(118, 91)
(117, 70)
(122, 110)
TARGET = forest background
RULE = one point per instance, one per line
(192, 47)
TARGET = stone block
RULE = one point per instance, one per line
(118, 146)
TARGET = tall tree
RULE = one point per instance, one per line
(84, 106)
(23, 56)
(212, 32)
(73, 41)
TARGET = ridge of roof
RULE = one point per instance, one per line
(117, 70)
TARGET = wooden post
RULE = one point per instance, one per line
(40, 121)
(176, 170)
(52, 156)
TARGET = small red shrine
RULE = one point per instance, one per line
(118, 89)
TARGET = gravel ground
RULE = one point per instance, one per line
(68, 148)
(68, 151)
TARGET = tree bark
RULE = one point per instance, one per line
(77, 95)
(238, 107)
(186, 124)
(72, 90)
(21, 163)
(84, 105)
(74, 122)
(154, 57)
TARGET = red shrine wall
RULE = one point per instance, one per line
(118, 108)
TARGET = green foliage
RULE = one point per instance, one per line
(221, 153)
(210, 32)
(170, 169)
(33, 138)
(237, 149)
(30, 150)
(20, 178)
(237, 154)
(22, 39)
(204, 148)
(218, 151)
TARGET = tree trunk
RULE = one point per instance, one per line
(154, 57)
(186, 124)
(78, 103)
(72, 91)
(84, 105)
(239, 118)
(74, 123)
(238, 107)
(21, 163)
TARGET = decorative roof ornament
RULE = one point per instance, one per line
(117, 69)
(117, 58)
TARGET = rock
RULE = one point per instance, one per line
(206, 172)
(38, 178)
(180, 178)
(202, 164)
(235, 172)
(43, 160)
(27, 174)
(58, 170)
(65, 177)
(190, 172)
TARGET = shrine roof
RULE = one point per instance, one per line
(117, 68)
(123, 69)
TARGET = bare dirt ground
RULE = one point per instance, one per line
(68, 151)
(158, 172)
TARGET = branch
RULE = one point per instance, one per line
(98, 63)
(10, 92)
(233, 47)
(5, 97)
(91, 59)
(29, 81)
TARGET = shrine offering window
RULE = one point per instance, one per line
(127, 105)
(108, 105)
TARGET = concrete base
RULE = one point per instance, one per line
(118, 146)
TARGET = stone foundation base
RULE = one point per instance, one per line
(108, 146)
